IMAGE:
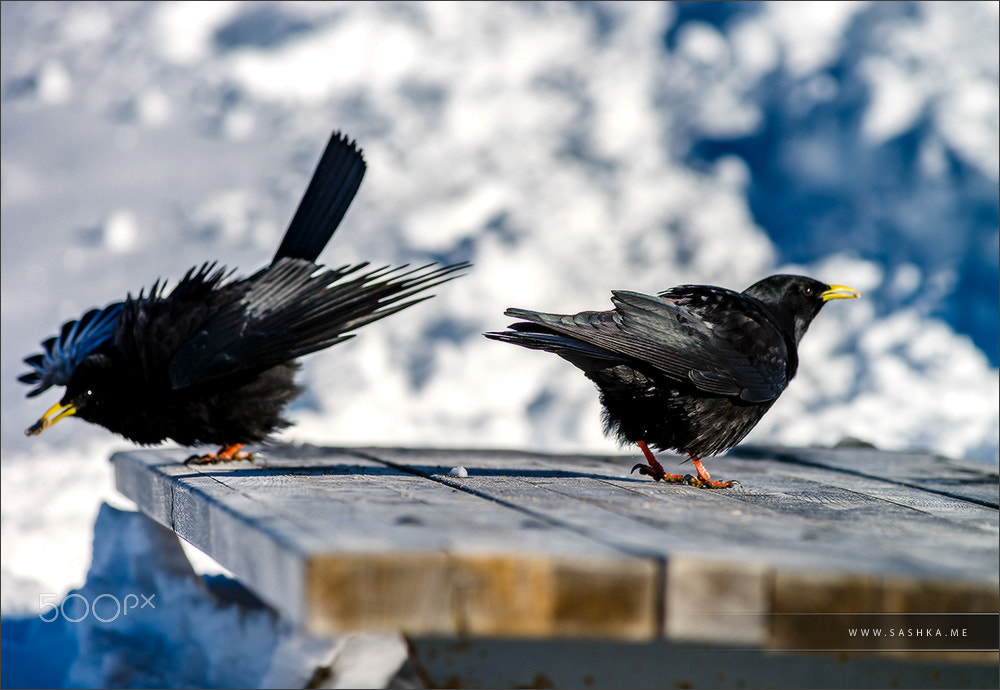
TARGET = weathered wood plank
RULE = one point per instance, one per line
(242, 534)
(561, 546)
(375, 548)
(736, 558)
(800, 518)
(953, 477)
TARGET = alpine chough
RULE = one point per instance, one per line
(692, 369)
(212, 361)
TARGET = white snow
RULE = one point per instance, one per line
(547, 143)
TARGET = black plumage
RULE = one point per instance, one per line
(692, 369)
(213, 361)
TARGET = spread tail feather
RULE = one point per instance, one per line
(332, 188)
(293, 308)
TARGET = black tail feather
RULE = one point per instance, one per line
(293, 308)
(537, 336)
(332, 188)
(389, 290)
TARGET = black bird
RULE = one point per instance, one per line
(212, 362)
(692, 369)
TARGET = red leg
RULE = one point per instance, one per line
(705, 480)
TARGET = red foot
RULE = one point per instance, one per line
(705, 480)
(655, 470)
(228, 453)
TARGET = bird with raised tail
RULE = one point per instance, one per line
(213, 361)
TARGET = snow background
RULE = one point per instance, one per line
(566, 149)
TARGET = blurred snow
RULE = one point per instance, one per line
(567, 149)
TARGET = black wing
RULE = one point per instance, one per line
(331, 190)
(743, 357)
(293, 308)
(64, 352)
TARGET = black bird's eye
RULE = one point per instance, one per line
(808, 291)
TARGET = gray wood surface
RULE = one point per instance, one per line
(549, 546)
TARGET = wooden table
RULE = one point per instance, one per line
(569, 558)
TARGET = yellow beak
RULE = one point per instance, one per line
(839, 292)
(59, 410)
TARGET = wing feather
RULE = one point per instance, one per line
(745, 358)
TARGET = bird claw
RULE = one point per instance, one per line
(643, 469)
(215, 459)
(700, 483)
(659, 475)
(654, 473)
